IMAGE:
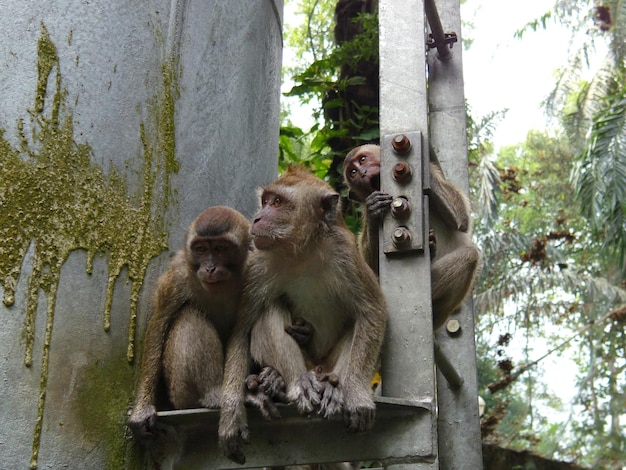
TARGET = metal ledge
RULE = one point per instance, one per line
(203, 417)
(403, 432)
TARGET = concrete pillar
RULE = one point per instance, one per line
(119, 122)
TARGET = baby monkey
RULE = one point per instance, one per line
(455, 262)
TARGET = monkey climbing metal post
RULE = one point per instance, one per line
(422, 108)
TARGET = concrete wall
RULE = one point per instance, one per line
(120, 121)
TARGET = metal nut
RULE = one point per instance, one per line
(401, 144)
(400, 208)
(453, 327)
(402, 172)
(401, 236)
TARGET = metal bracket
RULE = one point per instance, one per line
(442, 41)
(403, 229)
(448, 40)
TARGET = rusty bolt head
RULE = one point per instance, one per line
(401, 236)
(400, 208)
(453, 327)
(402, 172)
(401, 144)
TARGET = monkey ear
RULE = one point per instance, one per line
(330, 203)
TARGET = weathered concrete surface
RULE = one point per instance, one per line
(119, 123)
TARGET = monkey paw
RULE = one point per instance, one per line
(306, 393)
(432, 243)
(143, 422)
(331, 396)
(300, 330)
(233, 431)
(231, 446)
(265, 388)
(359, 419)
(377, 203)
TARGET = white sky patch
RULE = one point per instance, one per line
(501, 71)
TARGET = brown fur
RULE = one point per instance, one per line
(194, 311)
(306, 266)
(456, 261)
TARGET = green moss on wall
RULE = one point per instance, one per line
(103, 396)
(53, 197)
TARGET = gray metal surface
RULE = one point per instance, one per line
(458, 423)
(172, 106)
(413, 223)
(407, 360)
(399, 426)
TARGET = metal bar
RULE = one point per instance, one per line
(447, 369)
(458, 421)
(408, 353)
(405, 279)
(435, 26)
(400, 435)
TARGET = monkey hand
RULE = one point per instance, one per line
(432, 243)
(331, 395)
(300, 330)
(359, 409)
(233, 431)
(143, 421)
(377, 203)
(264, 389)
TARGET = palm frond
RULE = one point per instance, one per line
(489, 186)
(599, 176)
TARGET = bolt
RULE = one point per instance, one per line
(401, 236)
(453, 327)
(401, 144)
(400, 208)
(402, 172)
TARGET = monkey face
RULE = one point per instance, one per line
(216, 261)
(293, 210)
(271, 221)
(217, 246)
(362, 171)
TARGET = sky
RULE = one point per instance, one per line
(501, 71)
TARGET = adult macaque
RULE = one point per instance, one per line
(456, 260)
(307, 267)
(195, 307)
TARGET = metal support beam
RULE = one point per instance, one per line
(407, 360)
(458, 422)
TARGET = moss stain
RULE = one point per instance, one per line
(52, 196)
(106, 389)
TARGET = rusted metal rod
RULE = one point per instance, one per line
(440, 40)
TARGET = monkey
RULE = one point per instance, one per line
(194, 310)
(456, 260)
(305, 265)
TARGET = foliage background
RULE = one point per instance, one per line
(549, 218)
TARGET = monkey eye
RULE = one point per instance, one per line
(353, 172)
(363, 158)
(200, 248)
(221, 248)
(277, 201)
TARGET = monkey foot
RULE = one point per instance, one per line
(306, 393)
(331, 396)
(264, 389)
